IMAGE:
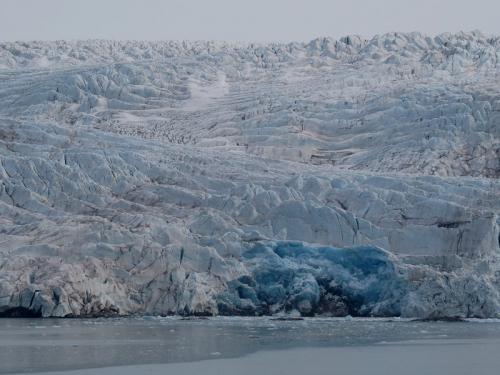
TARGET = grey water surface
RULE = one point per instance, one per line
(35, 345)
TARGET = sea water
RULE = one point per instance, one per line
(39, 345)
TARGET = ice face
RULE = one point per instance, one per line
(140, 177)
(292, 276)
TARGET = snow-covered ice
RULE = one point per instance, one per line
(332, 177)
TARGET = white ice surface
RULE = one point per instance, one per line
(134, 175)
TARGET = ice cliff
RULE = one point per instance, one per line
(353, 176)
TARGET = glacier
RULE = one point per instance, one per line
(336, 177)
(290, 276)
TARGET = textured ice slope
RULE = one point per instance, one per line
(334, 177)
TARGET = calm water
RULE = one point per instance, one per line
(28, 345)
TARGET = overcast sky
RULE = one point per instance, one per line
(233, 20)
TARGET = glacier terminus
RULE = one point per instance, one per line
(330, 178)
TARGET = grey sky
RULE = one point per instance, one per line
(247, 20)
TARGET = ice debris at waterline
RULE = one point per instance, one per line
(332, 177)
